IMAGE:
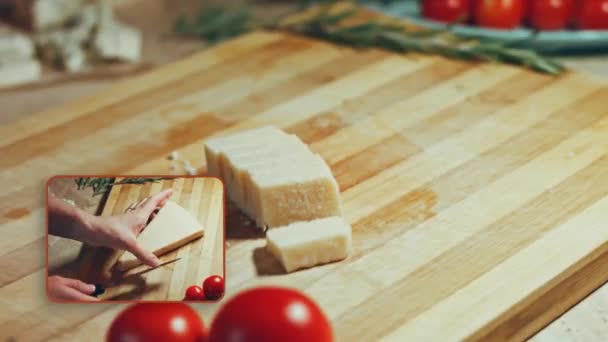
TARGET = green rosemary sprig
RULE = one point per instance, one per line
(398, 38)
(217, 23)
(101, 185)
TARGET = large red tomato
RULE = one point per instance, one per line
(270, 314)
(550, 14)
(591, 14)
(447, 11)
(500, 14)
(146, 322)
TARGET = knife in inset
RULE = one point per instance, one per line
(100, 289)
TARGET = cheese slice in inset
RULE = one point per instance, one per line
(307, 244)
(171, 228)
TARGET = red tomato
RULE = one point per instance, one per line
(213, 287)
(591, 14)
(499, 14)
(195, 293)
(157, 322)
(447, 11)
(550, 14)
(270, 314)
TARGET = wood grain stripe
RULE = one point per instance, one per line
(22, 261)
(22, 231)
(367, 163)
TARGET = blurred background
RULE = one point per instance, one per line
(52, 51)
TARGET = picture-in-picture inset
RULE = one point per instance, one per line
(136, 238)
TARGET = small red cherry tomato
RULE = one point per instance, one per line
(270, 314)
(447, 11)
(157, 322)
(550, 14)
(499, 14)
(195, 293)
(591, 14)
(213, 287)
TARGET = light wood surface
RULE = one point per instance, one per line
(203, 198)
(477, 193)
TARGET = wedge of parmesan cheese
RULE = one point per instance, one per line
(307, 244)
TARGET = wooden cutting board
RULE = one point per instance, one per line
(477, 193)
(201, 258)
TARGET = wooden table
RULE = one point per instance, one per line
(585, 322)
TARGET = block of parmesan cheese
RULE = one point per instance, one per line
(246, 141)
(296, 191)
(236, 170)
(273, 177)
(307, 244)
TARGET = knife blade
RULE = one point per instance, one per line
(100, 289)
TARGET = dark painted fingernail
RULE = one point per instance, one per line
(99, 290)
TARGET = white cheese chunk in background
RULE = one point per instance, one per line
(116, 41)
(15, 47)
(47, 14)
(16, 73)
(307, 244)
